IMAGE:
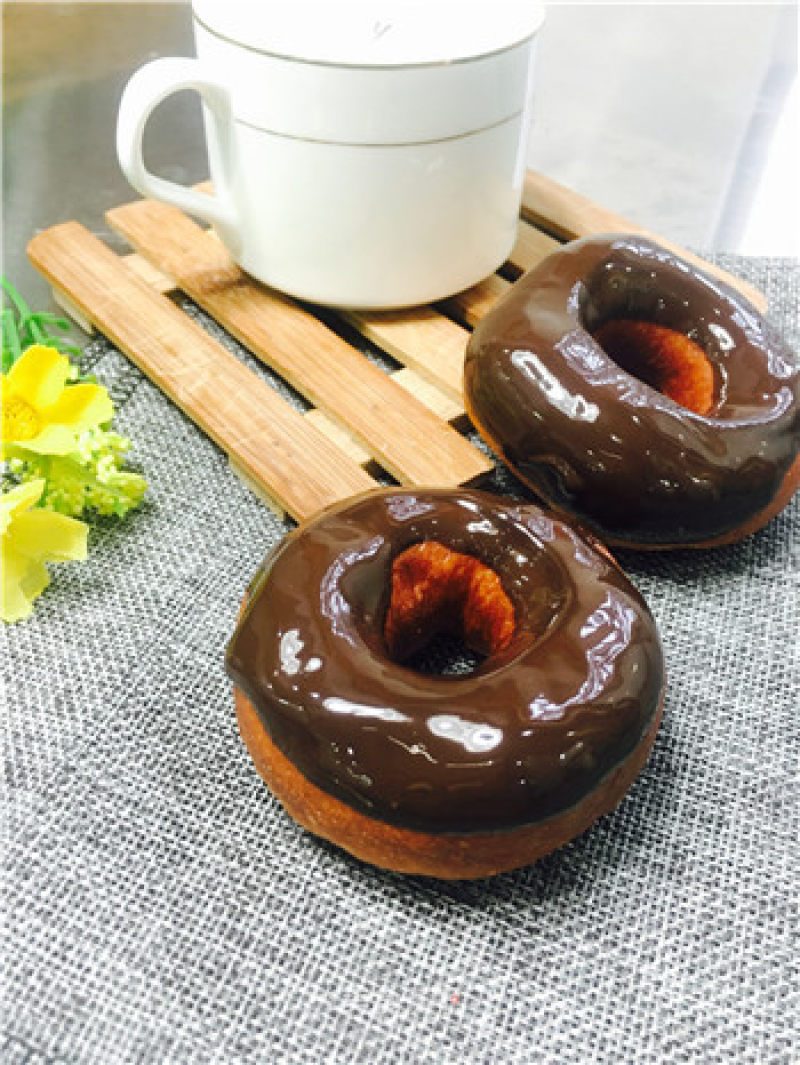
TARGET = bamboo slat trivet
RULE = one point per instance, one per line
(405, 437)
(361, 416)
(269, 440)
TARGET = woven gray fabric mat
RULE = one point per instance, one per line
(161, 908)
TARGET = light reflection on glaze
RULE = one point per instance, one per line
(722, 336)
(404, 507)
(459, 753)
(345, 706)
(605, 635)
(576, 407)
(290, 646)
(472, 736)
(332, 603)
(642, 469)
(484, 526)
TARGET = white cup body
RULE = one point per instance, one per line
(371, 186)
(366, 226)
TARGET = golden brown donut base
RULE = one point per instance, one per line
(449, 857)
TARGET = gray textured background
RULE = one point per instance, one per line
(160, 907)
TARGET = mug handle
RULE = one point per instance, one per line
(150, 85)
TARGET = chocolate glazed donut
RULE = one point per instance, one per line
(450, 776)
(636, 393)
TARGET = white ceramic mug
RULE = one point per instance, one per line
(362, 154)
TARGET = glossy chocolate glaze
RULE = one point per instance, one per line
(528, 734)
(597, 443)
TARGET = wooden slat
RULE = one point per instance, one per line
(530, 247)
(449, 410)
(339, 436)
(430, 347)
(435, 400)
(567, 214)
(442, 405)
(73, 311)
(141, 267)
(472, 304)
(270, 441)
(164, 284)
(402, 434)
(420, 338)
(156, 279)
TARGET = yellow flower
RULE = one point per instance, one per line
(41, 412)
(29, 539)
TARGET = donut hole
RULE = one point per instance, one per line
(447, 610)
(444, 655)
(663, 358)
